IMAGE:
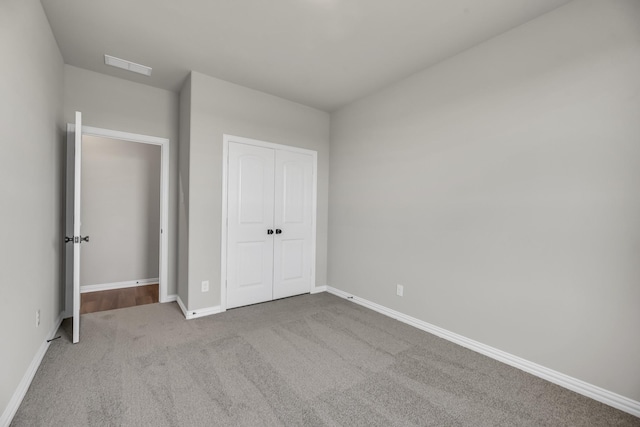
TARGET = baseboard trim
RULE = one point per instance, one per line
(170, 298)
(117, 285)
(23, 386)
(202, 312)
(182, 306)
(592, 391)
(318, 289)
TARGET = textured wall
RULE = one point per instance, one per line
(31, 186)
(120, 210)
(111, 103)
(183, 192)
(500, 187)
(217, 108)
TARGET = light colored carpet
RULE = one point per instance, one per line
(308, 360)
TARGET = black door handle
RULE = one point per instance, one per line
(269, 231)
(76, 239)
(278, 231)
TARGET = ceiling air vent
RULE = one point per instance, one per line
(127, 65)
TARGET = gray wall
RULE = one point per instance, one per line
(183, 189)
(501, 188)
(120, 210)
(116, 104)
(31, 183)
(219, 107)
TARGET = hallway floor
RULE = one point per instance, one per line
(91, 302)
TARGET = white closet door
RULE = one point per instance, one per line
(250, 216)
(294, 223)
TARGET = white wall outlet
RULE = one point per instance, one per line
(37, 318)
(205, 286)
(399, 290)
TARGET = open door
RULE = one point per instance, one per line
(77, 238)
(73, 237)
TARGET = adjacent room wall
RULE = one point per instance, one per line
(501, 188)
(120, 210)
(219, 107)
(111, 103)
(31, 134)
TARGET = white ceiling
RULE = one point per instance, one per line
(321, 53)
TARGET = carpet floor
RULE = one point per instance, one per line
(311, 360)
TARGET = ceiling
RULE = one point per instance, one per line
(321, 53)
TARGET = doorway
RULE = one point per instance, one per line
(117, 255)
(269, 221)
(120, 211)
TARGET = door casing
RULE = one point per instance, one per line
(163, 273)
(224, 223)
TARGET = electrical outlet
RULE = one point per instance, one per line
(399, 290)
(37, 318)
(205, 286)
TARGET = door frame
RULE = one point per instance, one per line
(226, 139)
(163, 265)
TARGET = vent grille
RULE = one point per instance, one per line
(127, 65)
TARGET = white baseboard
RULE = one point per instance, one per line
(23, 386)
(117, 285)
(182, 307)
(202, 312)
(318, 289)
(594, 392)
(170, 298)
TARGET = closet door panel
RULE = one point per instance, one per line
(250, 204)
(293, 218)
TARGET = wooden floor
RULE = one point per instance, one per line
(90, 302)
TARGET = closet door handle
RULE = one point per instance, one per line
(269, 231)
(278, 231)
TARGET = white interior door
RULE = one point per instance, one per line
(77, 238)
(68, 218)
(294, 223)
(250, 200)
